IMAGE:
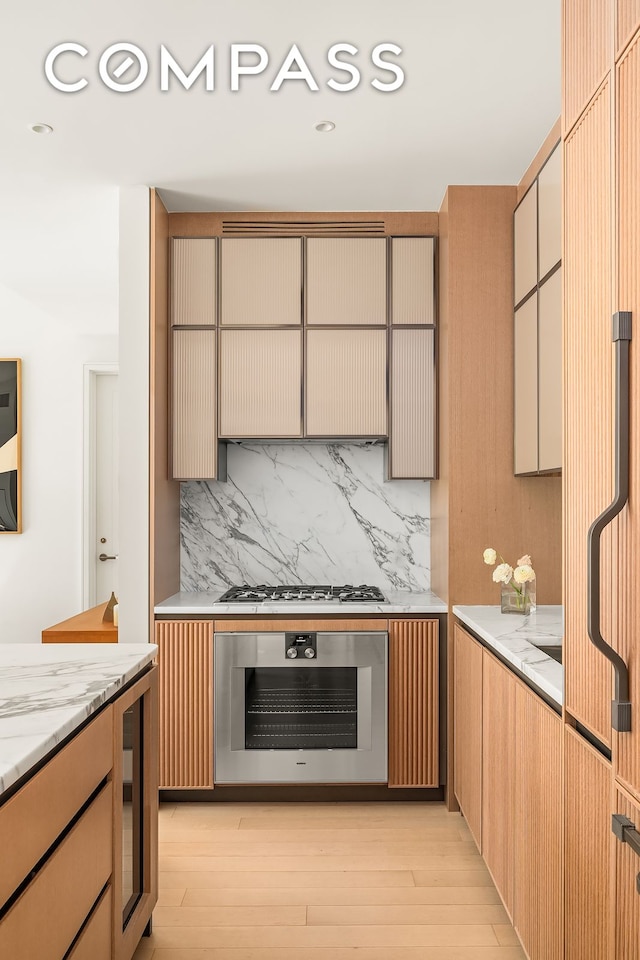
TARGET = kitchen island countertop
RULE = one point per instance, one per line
(207, 604)
(48, 691)
(521, 640)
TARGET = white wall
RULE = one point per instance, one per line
(133, 573)
(58, 311)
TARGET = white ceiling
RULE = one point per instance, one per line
(482, 90)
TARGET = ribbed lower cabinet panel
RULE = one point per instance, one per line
(185, 662)
(413, 703)
(587, 851)
(627, 903)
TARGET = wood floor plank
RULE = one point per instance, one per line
(335, 916)
(320, 863)
(427, 935)
(231, 879)
(305, 849)
(171, 897)
(180, 832)
(506, 934)
(478, 876)
(319, 896)
(341, 953)
(267, 916)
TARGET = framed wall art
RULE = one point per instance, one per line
(10, 447)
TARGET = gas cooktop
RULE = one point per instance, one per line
(303, 593)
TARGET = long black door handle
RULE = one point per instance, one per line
(620, 707)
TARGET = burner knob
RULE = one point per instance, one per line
(309, 653)
(292, 653)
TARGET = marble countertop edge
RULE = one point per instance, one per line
(207, 602)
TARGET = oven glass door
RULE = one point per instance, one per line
(301, 708)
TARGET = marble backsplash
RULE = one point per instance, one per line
(305, 513)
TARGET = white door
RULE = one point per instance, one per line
(103, 541)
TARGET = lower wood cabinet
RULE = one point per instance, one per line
(185, 665)
(413, 703)
(537, 847)
(626, 910)
(467, 729)
(499, 774)
(65, 837)
(587, 850)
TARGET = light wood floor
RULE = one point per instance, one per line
(330, 881)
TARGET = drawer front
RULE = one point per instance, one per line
(50, 800)
(94, 942)
(47, 916)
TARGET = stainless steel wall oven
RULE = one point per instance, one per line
(300, 707)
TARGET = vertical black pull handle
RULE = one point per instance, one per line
(620, 707)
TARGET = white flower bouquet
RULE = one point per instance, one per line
(517, 598)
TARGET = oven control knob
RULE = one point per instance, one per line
(292, 653)
(309, 653)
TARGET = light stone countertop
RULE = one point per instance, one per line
(515, 637)
(48, 690)
(206, 604)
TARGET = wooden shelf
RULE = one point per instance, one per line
(85, 627)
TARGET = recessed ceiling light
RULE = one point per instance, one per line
(325, 126)
(40, 128)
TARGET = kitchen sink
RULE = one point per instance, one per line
(552, 650)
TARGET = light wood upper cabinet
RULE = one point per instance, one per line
(346, 383)
(412, 280)
(413, 703)
(194, 405)
(193, 282)
(550, 213)
(261, 282)
(346, 281)
(550, 373)
(413, 397)
(498, 774)
(260, 383)
(467, 729)
(525, 241)
(526, 387)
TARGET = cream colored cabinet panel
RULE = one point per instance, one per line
(498, 774)
(261, 282)
(526, 387)
(412, 273)
(550, 213)
(525, 240)
(193, 282)
(412, 434)
(260, 383)
(346, 281)
(193, 415)
(550, 373)
(467, 729)
(346, 383)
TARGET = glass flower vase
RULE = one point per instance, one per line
(515, 599)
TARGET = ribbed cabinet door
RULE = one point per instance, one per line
(412, 433)
(261, 282)
(587, 851)
(550, 213)
(193, 282)
(346, 383)
(627, 903)
(586, 33)
(346, 281)
(413, 703)
(467, 729)
(525, 439)
(525, 244)
(260, 383)
(185, 663)
(193, 415)
(550, 373)
(412, 275)
(538, 876)
(588, 418)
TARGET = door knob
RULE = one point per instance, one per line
(104, 557)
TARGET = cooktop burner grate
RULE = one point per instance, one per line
(303, 593)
